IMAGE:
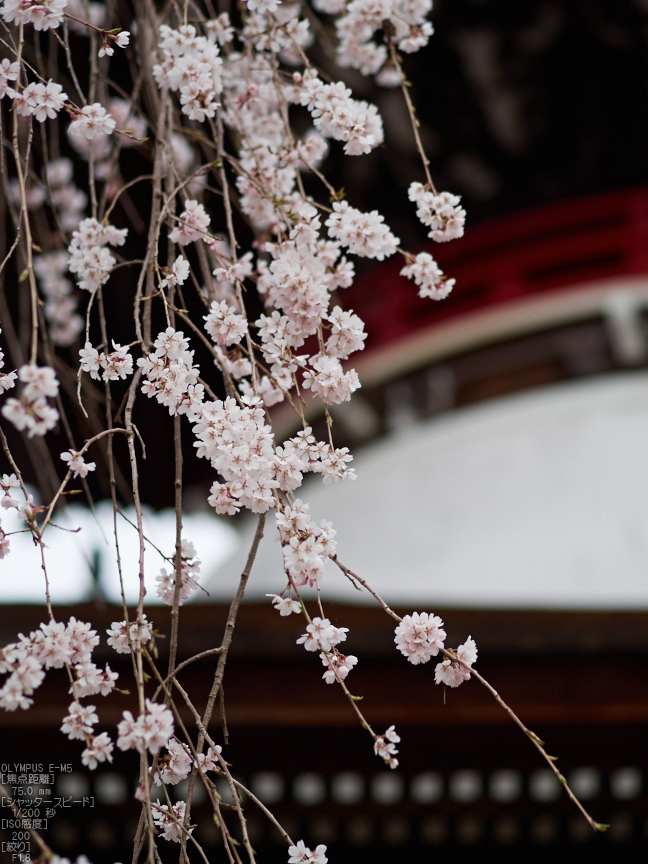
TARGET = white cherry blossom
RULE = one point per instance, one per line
(76, 463)
(284, 605)
(420, 636)
(385, 747)
(321, 635)
(92, 120)
(301, 854)
(453, 673)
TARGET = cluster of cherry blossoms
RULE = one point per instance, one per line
(32, 412)
(301, 854)
(193, 224)
(138, 632)
(7, 483)
(192, 66)
(420, 636)
(324, 637)
(244, 80)
(43, 15)
(91, 138)
(118, 363)
(69, 203)
(171, 376)
(337, 115)
(403, 21)
(189, 570)
(7, 379)
(321, 635)
(77, 464)
(337, 665)
(175, 765)
(440, 212)
(430, 278)
(121, 39)
(385, 747)
(8, 502)
(170, 820)
(60, 303)
(54, 646)
(42, 101)
(305, 545)
(150, 731)
(452, 671)
(92, 120)
(89, 258)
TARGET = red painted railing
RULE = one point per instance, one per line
(541, 250)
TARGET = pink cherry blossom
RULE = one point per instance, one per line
(420, 636)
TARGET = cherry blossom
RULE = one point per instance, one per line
(225, 324)
(171, 821)
(231, 272)
(451, 672)
(334, 468)
(175, 765)
(8, 502)
(43, 14)
(177, 274)
(4, 544)
(51, 645)
(403, 20)
(150, 731)
(347, 334)
(337, 115)
(420, 636)
(100, 750)
(385, 747)
(32, 412)
(238, 442)
(220, 29)
(92, 120)
(337, 663)
(208, 761)
(76, 463)
(117, 364)
(306, 546)
(427, 274)
(43, 101)
(191, 65)
(365, 234)
(301, 854)
(119, 633)
(194, 222)
(7, 379)
(89, 258)
(190, 568)
(321, 635)
(284, 605)
(9, 71)
(329, 381)
(26, 676)
(39, 381)
(440, 212)
(79, 721)
(171, 375)
(121, 40)
(61, 305)
(90, 680)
